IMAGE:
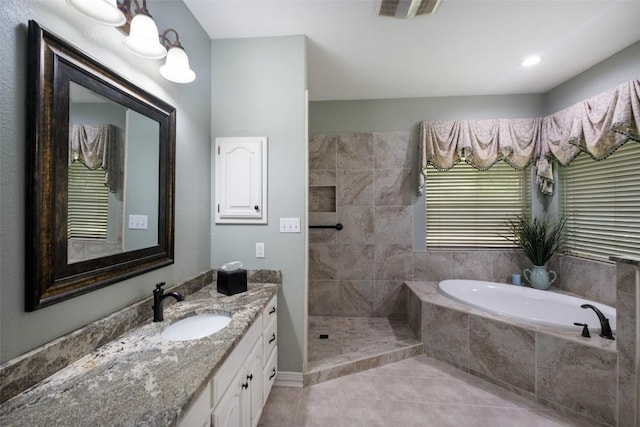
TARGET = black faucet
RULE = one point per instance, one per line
(158, 301)
(605, 329)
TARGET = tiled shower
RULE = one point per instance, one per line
(366, 182)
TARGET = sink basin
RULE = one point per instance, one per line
(196, 327)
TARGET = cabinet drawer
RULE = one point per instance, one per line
(270, 372)
(269, 337)
(234, 361)
(270, 312)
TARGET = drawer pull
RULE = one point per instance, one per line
(273, 375)
(273, 338)
(250, 377)
(273, 310)
(245, 386)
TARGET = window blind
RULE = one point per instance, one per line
(602, 204)
(468, 208)
(88, 203)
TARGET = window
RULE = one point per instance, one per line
(468, 208)
(602, 204)
(88, 206)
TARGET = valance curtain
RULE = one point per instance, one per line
(597, 126)
(94, 146)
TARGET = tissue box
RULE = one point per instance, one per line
(232, 282)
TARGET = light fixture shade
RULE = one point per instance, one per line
(143, 38)
(176, 67)
(103, 11)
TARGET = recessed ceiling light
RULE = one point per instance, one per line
(529, 61)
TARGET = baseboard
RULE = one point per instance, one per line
(289, 379)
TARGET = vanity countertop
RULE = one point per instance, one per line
(140, 379)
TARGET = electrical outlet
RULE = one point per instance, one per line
(259, 250)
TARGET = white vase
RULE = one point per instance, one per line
(538, 276)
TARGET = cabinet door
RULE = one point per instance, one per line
(241, 180)
(228, 411)
(254, 376)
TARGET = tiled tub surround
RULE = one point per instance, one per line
(558, 368)
(628, 285)
(138, 378)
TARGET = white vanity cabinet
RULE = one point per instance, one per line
(240, 387)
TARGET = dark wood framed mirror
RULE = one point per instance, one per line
(100, 174)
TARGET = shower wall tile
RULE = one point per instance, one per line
(503, 352)
(389, 299)
(626, 278)
(321, 235)
(358, 224)
(355, 298)
(473, 265)
(322, 152)
(445, 334)
(322, 261)
(432, 266)
(355, 151)
(354, 262)
(393, 150)
(577, 377)
(414, 312)
(626, 397)
(322, 177)
(394, 187)
(393, 261)
(626, 330)
(393, 224)
(323, 297)
(355, 188)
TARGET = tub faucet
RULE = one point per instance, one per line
(158, 301)
(605, 329)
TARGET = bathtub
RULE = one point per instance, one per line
(527, 304)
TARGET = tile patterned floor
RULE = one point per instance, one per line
(419, 391)
(354, 338)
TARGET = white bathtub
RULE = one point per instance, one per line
(528, 304)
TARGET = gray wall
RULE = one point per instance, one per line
(21, 331)
(259, 90)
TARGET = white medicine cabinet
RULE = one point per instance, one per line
(240, 180)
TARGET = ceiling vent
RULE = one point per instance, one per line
(404, 9)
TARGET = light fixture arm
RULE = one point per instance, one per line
(165, 39)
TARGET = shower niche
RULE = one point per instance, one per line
(322, 199)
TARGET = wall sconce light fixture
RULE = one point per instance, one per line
(142, 37)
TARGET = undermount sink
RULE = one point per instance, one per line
(196, 327)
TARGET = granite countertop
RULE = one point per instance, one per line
(141, 379)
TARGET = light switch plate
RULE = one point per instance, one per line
(138, 222)
(289, 225)
(259, 250)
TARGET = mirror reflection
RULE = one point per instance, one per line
(113, 175)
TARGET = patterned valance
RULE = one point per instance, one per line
(597, 126)
(94, 146)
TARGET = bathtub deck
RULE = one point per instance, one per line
(354, 344)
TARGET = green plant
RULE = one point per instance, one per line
(538, 238)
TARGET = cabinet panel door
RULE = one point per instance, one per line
(253, 367)
(240, 171)
(228, 412)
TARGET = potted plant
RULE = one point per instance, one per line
(540, 240)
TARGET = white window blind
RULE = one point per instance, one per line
(88, 204)
(468, 208)
(602, 204)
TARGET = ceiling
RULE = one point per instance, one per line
(468, 47)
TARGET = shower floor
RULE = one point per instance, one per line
(340, 346)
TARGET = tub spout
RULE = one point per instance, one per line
(605, 328)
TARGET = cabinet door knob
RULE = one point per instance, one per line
(250, 377)
(256, 207)
(273, 375)
(273, 310)
(273, 338)
(245, 386)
